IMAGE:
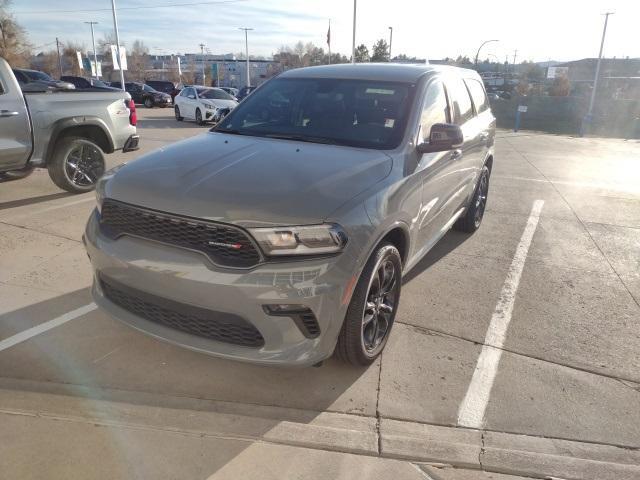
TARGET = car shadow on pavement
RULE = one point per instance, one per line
(94, 358)
(32, 200)
(446, 245)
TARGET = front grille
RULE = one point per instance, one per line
(219, 326)
(225, 245)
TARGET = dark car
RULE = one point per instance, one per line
(85, 82)
(143, 93)
(164, 86)
(244, 92)
(34, 80)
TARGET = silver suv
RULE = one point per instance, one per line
(282, 235)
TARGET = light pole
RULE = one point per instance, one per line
(202, 55)
(115, 27)
(589, 116)
(93, 41)
(353, 42)
(390, 41)
(246, 46)
(482, 45)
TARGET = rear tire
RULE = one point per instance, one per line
(199, 117)
(176, 110)
(76, 164)
(371, 312)
(472, 218)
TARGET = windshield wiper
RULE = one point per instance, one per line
(300, 138)
(230, 132)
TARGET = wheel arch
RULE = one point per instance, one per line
(91, 128)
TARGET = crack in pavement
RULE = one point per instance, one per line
(431, 331)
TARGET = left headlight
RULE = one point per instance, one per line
(304, 240)
(102, 183)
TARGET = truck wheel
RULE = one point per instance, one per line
(373, 308)
(472, 218)
(176, 110)
(16, 174)
(76, 164)
(148, 102)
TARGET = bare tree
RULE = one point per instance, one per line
(14, 44)
(70, 59)
(138, 60)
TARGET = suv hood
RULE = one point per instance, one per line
(249, 181)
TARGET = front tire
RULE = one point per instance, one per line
(76, 165)
(472, 218)
(199, 117)
(372, 309)
(148, 102)
(176, 110)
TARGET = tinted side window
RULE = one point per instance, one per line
(434, 109)
(477, 94)
(460, 101)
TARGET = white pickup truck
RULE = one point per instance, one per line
(68, 132)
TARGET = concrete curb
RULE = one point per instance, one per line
(505, 453)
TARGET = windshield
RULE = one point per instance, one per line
(361, 113)
(33, 75)
(147, 88)
(99, 83)
(213, 94)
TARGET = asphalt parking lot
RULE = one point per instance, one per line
(558, 255)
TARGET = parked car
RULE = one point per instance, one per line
(203, 104)
(86, 82)
(71, 138)
(144, 94)
(231, 91)
(282, 235)
(34, 80)
(244, 92)
(164, 86)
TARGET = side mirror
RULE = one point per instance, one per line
(442, 137)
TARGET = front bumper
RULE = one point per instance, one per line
(187, 277)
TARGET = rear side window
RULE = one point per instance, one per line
(477, 94)
(435, 109)
(460, 101)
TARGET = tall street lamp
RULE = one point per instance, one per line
(482, 45)
(246, 46)
(353, 42)
(115, 27)
(589, 116)
(390, 41)
(93, 41)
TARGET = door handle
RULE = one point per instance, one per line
(455, 154)
(8, 113)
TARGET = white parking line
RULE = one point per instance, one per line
(43, 327)
(474, 405)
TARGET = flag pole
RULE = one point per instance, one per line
(329, 41)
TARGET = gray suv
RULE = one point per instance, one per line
(282, 235)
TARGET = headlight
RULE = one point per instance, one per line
(209, 107)
(307, 240)
(102, 183)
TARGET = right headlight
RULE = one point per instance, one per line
(102, 183)
(304, 240)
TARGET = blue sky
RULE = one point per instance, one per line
(541, 30)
